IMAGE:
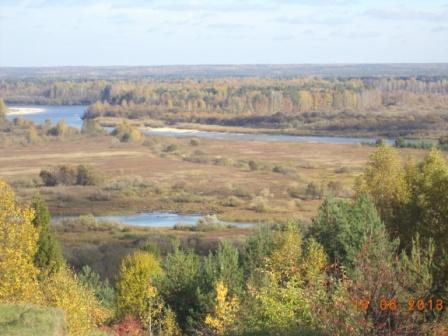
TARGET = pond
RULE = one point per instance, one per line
(156, 219)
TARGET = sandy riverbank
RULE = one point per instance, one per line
(24, 110)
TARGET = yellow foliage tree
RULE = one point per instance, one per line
(136, 272)
(18, 244)
(225, 310)
(384, 180)
(83, 312)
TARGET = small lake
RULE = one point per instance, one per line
(72, 116)
(157, 219)
(70, 113)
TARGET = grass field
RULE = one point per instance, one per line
(237, 180)
(190, 176)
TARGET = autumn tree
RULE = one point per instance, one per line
(18, 245)
(137, 271)
(384, 181)
(224, 312)
(83, 312)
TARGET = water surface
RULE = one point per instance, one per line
(72, 116)
(157, 219)
(70, 113)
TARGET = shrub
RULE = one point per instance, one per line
(87, 175)
(170, 148)
(70, 175)
(130, 183)
(48, 178)
(253, 165)
(127, 133)
(99, 196)
(194, 142)
(60, 129)
(279, 169)
(295, 191)
(313, 191)
(232, 201)
(25, 183)
(259, 204)
(241, 192)
(92, 127)
(335, 187)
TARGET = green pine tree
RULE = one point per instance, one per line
(48, 257)
(3, 110)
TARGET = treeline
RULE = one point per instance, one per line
(267, 97)
(374, 265)
(235, 96)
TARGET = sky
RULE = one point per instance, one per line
(177, 32)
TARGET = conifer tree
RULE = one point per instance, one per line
(48, 257)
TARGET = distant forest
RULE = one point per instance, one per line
(392, 106)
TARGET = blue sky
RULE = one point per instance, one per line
(162, 32)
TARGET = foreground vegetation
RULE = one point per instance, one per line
(372, 265)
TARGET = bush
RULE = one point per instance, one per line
(127, 133)
(25, 183)
(92, 127)
(99, 196)
(259, 204)
(232, 201)
(70, 175)
(48, 178)
(194, 142)
(313, 191)
(241, 192)
(335, 187)
(253, 165)
(295, 191)
(170, 148)
(87, 175)
(128, 183)
(279, 169)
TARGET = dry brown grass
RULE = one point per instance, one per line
(207, 185)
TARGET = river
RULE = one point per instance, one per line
(72, 116)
